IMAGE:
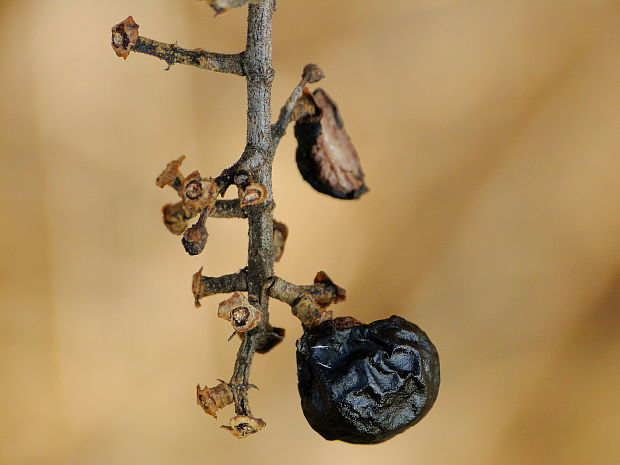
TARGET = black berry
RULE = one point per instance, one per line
(364, 384)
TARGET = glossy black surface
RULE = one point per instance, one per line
(366, 383)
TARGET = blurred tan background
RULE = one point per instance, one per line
(490, 136)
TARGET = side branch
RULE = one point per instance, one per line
(227, 209)
(125, 39)
(173, 54)
(203, 286)
(324, 292)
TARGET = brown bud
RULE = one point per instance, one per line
(325, 156)
(280, 233)
(171, 176)
(195, 238)
(312, 73)
(213, 399)
(199, 193)
(124, 36)
(242, 426)
(176, 217)
(242, 315)
(252, 194)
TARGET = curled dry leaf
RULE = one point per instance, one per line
(213, 399)
(242, 426)
(242, 315)
(326, 158)
(199, 193)
(124, 37)
(280, 234)
(171, 176)
(252, 194)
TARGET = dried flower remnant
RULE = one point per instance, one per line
(252, 194)
(242, 315)
(213, 399)
(176, 217)
(199, 193)
(325, 156)
(171, 176)
(321, 278)
(280, 234)
(124, 36)
(242, 426)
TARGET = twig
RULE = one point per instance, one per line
(125, 39)
(173, 54)
(311, 73)
(227, 209)
(204, 286)
(323, 292)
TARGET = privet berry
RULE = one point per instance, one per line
(325, 155)
(365, 383)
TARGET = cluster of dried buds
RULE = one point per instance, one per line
(199, 197)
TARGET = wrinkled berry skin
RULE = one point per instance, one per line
(364, 384)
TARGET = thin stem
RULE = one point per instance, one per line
(322, 292)
(311, 73)
(204, 286)
(173, 54)
(227, 209)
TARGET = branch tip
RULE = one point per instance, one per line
(124, 37)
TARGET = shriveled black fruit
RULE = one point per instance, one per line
(364, 384)
(325, 156)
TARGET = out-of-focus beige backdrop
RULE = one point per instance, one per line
(490, 136)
